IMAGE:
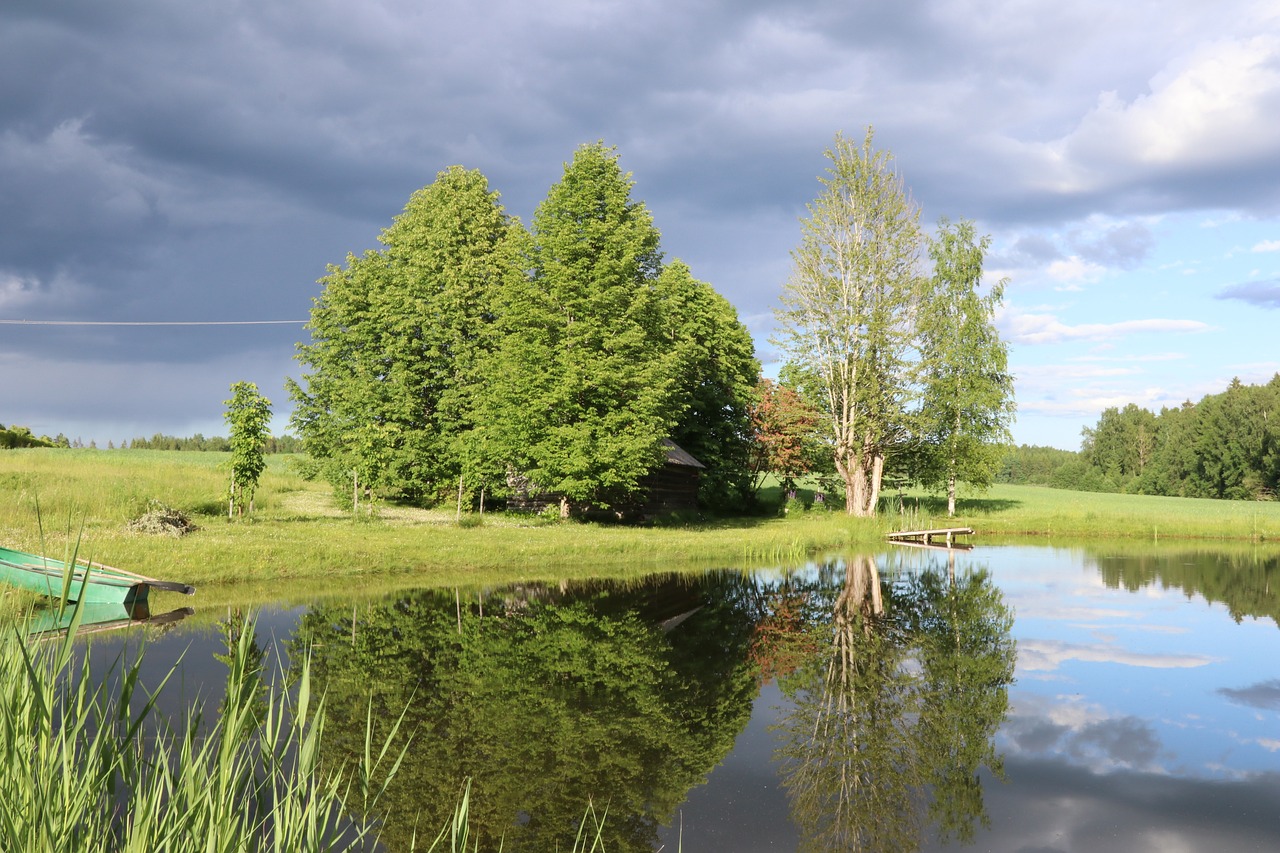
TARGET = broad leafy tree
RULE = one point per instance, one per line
(399, 337)
(967, 390)
(963, 632)
(1122, 444)
(248, 416)
(784, 427)
(584, 385)
(715, 379)
(847, 310)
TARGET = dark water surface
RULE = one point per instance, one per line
(1109, 698)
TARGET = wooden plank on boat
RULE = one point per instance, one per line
(926, 537)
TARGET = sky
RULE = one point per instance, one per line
(204, 161)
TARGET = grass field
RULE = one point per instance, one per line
(298, 532)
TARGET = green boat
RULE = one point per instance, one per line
(92, 583)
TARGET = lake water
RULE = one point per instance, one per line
(1103, 698)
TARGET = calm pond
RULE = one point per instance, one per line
(1104, 698)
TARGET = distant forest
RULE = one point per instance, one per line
(274, 444)
(18, 436)
(1225, 446)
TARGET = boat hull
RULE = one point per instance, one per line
(90, 583)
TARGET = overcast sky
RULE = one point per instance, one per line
(204, 161)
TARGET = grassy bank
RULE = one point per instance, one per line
(298, 533)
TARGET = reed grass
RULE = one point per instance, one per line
(88, 766)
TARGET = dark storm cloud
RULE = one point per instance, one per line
(1034, 734)
(1029, 250)
(1264, 695)
(1120, 742)
(206, 159)
(1264, 294)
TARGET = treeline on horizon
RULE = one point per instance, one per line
(15, 437)
(1226, 446)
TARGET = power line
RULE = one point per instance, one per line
(153, 322)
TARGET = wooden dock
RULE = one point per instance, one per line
(926, 537)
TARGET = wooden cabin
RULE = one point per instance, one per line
(672, 487)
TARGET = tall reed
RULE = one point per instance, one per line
(88, 766)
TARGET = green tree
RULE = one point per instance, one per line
(248, 415)
(967, 654)
(1033, 464)
(847, 309)
(967, 390)
(1226, 446)
(715, 379)
(1122, 444)
(847, 751)
(584, 386)
(399, 337)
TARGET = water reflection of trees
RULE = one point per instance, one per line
(894, 710)
(1246, 581)
(548, 697)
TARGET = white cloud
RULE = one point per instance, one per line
(1211, 108)
(1088, 402)
(1046, 655)
(1048, 329)
(1267, 246)
(1074, 269)
(25, 293)
(1054, 373)
(1152, 356)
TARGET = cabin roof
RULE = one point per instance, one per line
(677, 455)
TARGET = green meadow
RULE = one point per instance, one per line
(52, 498)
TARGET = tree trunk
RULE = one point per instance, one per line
(848, 476)
(951, 491)
(877, 476)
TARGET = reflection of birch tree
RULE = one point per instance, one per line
(847, 759)
(901, 702)
(963, 636)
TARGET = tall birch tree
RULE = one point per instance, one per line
(967, 390)
(848, 308)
